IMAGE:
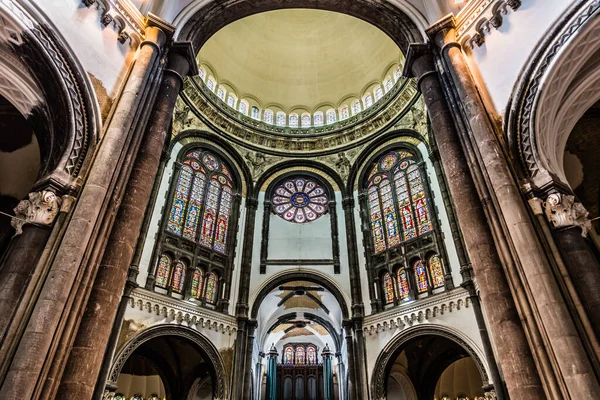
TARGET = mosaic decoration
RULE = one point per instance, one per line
(421, 276)
(398, 211)
(288, 356)
(436, 271)
(163, 271)
(403, 287)
(300, 356)
(197, 281)
(202, 201)
(388, 288)
(211, 288)
(178, 277)
(300, 200)
(311, 355)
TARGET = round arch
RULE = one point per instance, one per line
(201, 21)
(220, 376)
(273, 173)
(313, 317)
(388, 355)
(285, 277)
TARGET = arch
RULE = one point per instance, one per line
(309, 276)
(200, 21)
(337, 339)
(220, 377)
(390, 352)
(277, 170)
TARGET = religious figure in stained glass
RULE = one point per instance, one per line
(268, 117)
(300, 200)
(388, 288)
(288, 355)
(330, 116)
(163, 271)
(436, 271)
(300, 356)
(197, 284)
(403, 288)
(311, 355)
(202, 201)
(397, 203)
(421, 276)
(211, 288)
(178, 277)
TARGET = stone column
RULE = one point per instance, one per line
(272, 374)
(512, 348)
(250, 329)
(86, 355)
(568, 357)
(351, 390)
(327, 374)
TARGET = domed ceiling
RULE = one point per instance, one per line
(299, 57)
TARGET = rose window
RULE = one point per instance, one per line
(300, 200)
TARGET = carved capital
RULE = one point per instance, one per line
(41, 209)
(562, 211)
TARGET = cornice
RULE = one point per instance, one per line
(419, 311)
(181, 312)
(480, 17)
(124, 17)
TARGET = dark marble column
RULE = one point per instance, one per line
(351, 391)
(250, 329)
(513, 351)
(88, 350)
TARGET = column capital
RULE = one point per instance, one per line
(154, 21)
(181, 60)
(563, 210)
(419, 61)
(40, 208)
(442, 31)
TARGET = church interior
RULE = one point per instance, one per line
(300, 199)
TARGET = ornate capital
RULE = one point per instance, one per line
(41, 208)
(562, 210)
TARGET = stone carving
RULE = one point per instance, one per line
(257, 162)
(127, 21)
(342, 165)
(562, 210)
(478, 19)
(40, 209)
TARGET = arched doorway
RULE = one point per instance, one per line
(170, 363)
(429, 364)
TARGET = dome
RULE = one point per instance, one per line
(300, 58)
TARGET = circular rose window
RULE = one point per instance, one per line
(300, 200)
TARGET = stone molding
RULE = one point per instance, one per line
(182, 313)
(480, 17)
(124, 17)
(563, 211)
(41, 208)
(420, 311)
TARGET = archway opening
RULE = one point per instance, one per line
(432, 367)
(165, 368)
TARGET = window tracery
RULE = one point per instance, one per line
(288, 355)
(403, 286)
(178, 276)
(388, 288)
(300, 200)
(311, 355)
(164, 271)
(436, 271)
(421, 276)
(300, 355)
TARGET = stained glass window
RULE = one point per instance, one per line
(397, 73)
(294, 120)
(311, 355)
(355, 107)
(197, 284)
(178, 277)
(231, 100)
(331, 116)
(280, 118)
(300, 356)
(211, 288)
(397, 203)
(378, 93)
(300, 200)
(163, 271)
(368, 100)
(389, 84)
(436, 271)
(202, 73)
(153, 396)
(268, 117)
(255, 112)
(319, 118)
(211, 83)
(403, 288)
(137, 397)
(306, 121)
(221, 93)
(344, 112)
(243, 107)
(288, 355)
(421, 276)
(388, 288)
(202, 201)
(119, 396)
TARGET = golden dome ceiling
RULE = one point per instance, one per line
(299, 57)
